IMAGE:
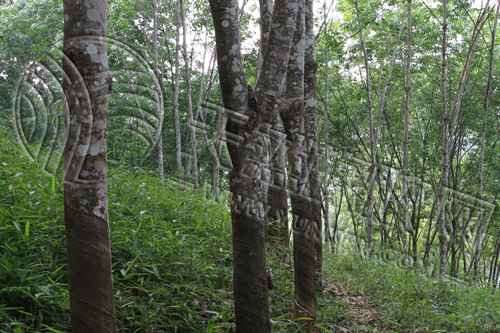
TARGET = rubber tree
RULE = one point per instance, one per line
(250, 112)
(275, 186)
(87, 82)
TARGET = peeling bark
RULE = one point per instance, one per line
(87, 82)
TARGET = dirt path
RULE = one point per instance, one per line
(362, 308)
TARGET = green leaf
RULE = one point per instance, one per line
(27, 229)
(53, 184)
(490, 317)
(211, 324)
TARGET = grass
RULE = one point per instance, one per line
(172, 265)
(411, 302)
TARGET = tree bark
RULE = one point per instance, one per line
(305, 228)
(449, 129)
(326, 170)
(277, 215)
(175, 110)
(311, 134)
(192, 156)
(373, 144)
(406, 215)
(159, 98)
(87, 82)
(480, 229)
(250, 113)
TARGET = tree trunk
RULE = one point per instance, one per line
(277, 215)
(277, 200)
(87, 82)
(449, 129)
(373, 144)
(175, 111)
(311, 134)
(159, 98)
(250, 113)
(479, 232)
(326, 170)
(192, 156)
(406, 215)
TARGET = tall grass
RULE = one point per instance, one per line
(172, 265)
(412, 302)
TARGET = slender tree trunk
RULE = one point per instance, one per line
(192, 156)
(405, 201)
(311, 134)
(374, 131)
(479, 232)
(373, 144)
(87, 82)
(159, 98)
(177, 123)
(326, 170)
(449, 129)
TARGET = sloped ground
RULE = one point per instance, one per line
(364, 313)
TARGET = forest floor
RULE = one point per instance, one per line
(363, 309)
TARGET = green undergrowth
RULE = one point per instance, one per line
(172, 265)
(171, 252)
(411, 302)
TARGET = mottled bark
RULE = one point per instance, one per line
(277, 200)
(480, 229)
(87, 81)
(305, 228)
(266, 12)
(250, 113)
(275, 186)
(311, 128)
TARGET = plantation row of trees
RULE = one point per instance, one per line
(403, 135)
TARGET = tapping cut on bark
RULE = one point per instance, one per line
(87, 82)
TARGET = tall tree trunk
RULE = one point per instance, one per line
(311, 128)
(406, 215)
(373, 143)
(250, 113)
(449, 129)
(305, 228)
(326, 170)
(175, 111)
(87, 82)
(277, 200)
(374, 130)
(158, 144)
(480, 229)
(192, 156)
